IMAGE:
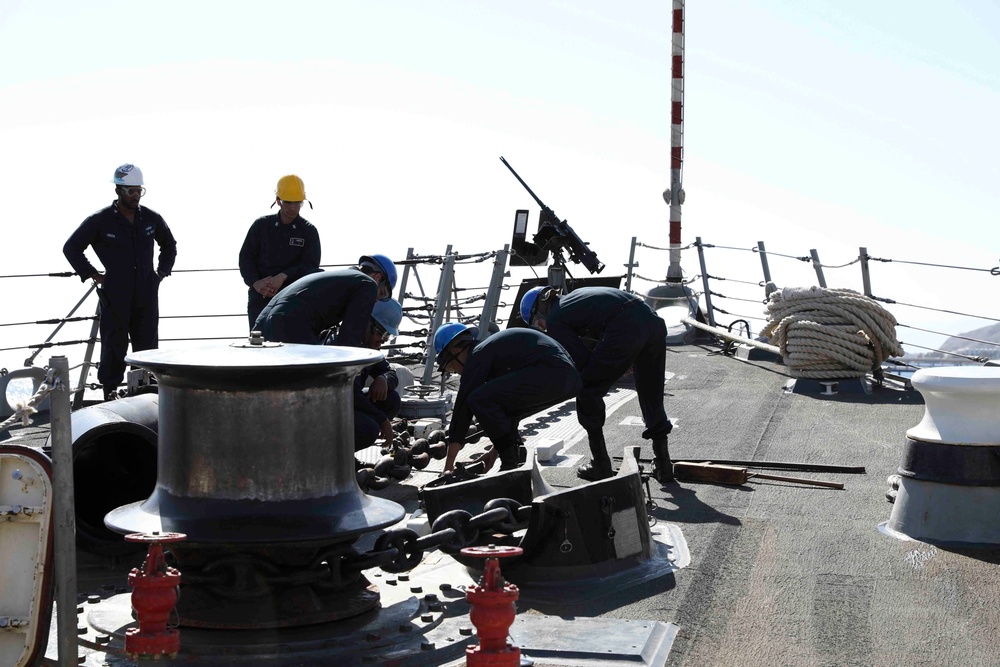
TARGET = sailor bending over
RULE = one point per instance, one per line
(607, 331)
(375, 406)
(301, 312)
(508, 376)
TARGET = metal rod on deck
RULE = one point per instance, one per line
(64, 513)
(866, 278)
(489, 313)
(704, 281)
(443, 297)
(818, 267)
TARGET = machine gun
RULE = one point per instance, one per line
(554, 235)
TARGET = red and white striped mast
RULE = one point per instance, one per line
(675, 195)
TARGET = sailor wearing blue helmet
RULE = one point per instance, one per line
(508, 376)
(375, 406)
(344, 298)
(608, 331)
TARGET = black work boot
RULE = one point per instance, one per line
(599, 466)
(663, 469)
(512, 457)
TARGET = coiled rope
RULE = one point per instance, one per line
(830, 333)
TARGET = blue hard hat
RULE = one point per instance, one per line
(528, 303)
(446, 333)
(384, 265)
(389, 314)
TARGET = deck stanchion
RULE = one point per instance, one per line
(88, 357)
(866, 278)
(63, 511)
(493, 293)
(630, 266)
(443, 302)
(405, 277)
(763, 265)
(818, 268)
(704, 281)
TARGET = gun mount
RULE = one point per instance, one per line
(554, 235)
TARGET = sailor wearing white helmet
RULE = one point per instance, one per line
(122, 236)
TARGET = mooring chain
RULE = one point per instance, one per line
(248, 576)
(451, 532)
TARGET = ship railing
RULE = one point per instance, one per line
(741, 290)
(427, 310)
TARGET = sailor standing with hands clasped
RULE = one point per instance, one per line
(280, 248)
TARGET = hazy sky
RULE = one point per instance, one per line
(827, 125)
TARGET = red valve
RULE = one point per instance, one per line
(154, 594)
(492, 611)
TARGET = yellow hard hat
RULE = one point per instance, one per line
(291, 188)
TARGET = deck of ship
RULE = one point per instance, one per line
(780, 573)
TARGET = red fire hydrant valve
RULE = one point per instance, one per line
(492, 611)
(155, 589)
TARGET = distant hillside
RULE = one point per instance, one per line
(971, 348)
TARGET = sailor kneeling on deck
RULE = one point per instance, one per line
(510, 375)
(375, 406)
(607, 331)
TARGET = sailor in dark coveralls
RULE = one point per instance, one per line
(279, 249)
(122, 236)
(376, 406)
(508, 376)
(607, 331)
(301, 312)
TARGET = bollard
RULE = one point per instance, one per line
(155, 590)
(948, 490)
(492, 611)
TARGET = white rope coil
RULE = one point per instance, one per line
(830, 333)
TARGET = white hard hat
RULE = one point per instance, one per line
(128, 174)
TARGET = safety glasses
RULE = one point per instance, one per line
(133, 191)
(380, 332)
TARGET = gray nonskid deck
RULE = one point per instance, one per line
(779, 573)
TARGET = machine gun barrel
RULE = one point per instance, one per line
(554, 234)
(523, 184)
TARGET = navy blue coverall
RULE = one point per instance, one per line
(508, 376)
(130, 305)
(301, 312)
(271, 248)
(370, 415)
(622, 332)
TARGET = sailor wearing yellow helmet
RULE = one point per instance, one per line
(279, 248)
